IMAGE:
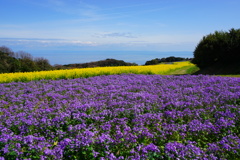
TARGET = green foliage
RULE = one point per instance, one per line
(152, 62)
(42, 64)
(27, 65)
(11, 62)
(191, 70)
(220, 46)
(8, 63)
(168, 59)
(101, 63)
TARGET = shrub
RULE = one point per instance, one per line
(220, 46)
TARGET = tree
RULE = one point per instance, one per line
(7, 63)
(220, 46)
(24, 55)
(167, 59)
(234, 44)
(42, 64)
(26, 62)
(7, 50)
(27, 65)
(20, 61)
(152, 62)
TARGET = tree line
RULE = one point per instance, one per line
(168, 59)
(101, 63)
(21, 62)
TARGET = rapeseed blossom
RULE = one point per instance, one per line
(90, 72)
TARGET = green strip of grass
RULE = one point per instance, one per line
(184, 70)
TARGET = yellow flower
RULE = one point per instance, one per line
(162, 69)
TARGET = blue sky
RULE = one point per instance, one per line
(131, 25)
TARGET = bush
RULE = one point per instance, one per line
(168, 59)
(221, 47)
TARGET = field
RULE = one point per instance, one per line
(162, 69)
(121, 116)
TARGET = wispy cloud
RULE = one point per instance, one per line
(45, 42)
(115, 35)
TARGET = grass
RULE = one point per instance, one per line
(184, 70)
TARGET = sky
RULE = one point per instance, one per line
(111, 25)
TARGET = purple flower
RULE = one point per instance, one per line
(151, 148)
(48, 151)
(178, 150)
(122, 117)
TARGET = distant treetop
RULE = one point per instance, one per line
(168, 59)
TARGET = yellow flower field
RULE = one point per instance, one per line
(89, 72)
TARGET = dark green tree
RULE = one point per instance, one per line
(152, 62)
(21, 61)
(217, 47)
(42, 64)
(8, 63)
(27, 65)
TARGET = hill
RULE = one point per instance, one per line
(167, 59)
(101, 63)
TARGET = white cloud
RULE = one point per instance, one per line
(45, 42)
(115, 35)
(39, 44)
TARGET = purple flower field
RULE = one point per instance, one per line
(128, 116)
